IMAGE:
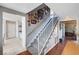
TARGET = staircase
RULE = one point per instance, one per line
(39, 42)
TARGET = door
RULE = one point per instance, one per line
(10, 29)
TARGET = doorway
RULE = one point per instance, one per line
(70, 29)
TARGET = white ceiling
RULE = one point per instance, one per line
(21, 7)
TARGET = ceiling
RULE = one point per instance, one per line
(21, 7)
(24, 7)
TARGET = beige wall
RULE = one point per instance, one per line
(70, 24)
(70, 27)
(77, 27)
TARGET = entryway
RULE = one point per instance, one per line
(12, 34)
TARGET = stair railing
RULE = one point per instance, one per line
(47, 31)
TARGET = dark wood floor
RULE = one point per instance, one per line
(58, 49)
(25, 53)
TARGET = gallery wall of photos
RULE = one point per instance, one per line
(38, 14)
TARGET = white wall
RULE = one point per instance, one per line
(24, 31)
(65, 9)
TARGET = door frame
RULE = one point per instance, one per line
(62, 30)
(64, 22)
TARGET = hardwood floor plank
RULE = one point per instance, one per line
(71, 48)
(25, 53)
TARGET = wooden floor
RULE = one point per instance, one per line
(71, 48)
(24, 53)
(57, 50)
